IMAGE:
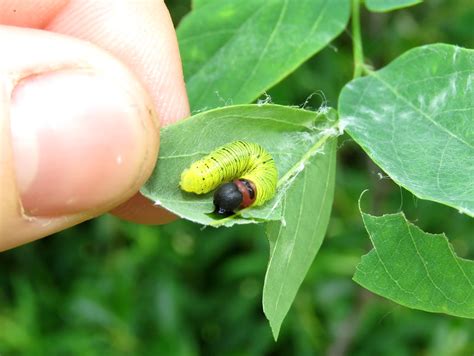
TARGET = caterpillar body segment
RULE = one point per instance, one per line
(248, 166)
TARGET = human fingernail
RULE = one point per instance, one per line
(76, 141)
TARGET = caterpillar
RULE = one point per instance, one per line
(244, 173)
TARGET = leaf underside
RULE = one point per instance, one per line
(290, 135)
(295, 241)
(415, 119)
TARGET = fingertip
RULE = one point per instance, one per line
(80, 141)
(78, 134)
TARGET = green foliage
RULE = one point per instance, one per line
(296, 139)
(111, 287)
(416, 269)
(234, 50)
(395, 118)
(414, 118)
(389, 5)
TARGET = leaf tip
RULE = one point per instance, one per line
(275, 326)
(273, 319)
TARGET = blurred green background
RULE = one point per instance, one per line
(108, 287)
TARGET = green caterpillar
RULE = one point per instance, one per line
(247, 170)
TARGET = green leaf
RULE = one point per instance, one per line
(201, 3)
(234, 50)
(415, 119)
(389, 5)
(295, 241)
(414, 268)
(292, 136)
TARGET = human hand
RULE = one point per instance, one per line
(79, 109)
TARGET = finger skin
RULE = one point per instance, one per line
(141, 35)
(27, 58)
(29, 13)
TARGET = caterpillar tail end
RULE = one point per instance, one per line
(187, 182)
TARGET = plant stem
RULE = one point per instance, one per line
(358, 52)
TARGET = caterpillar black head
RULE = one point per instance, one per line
(229, 197)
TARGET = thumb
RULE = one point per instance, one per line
(77, 134)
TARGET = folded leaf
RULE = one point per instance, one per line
(290, 135)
